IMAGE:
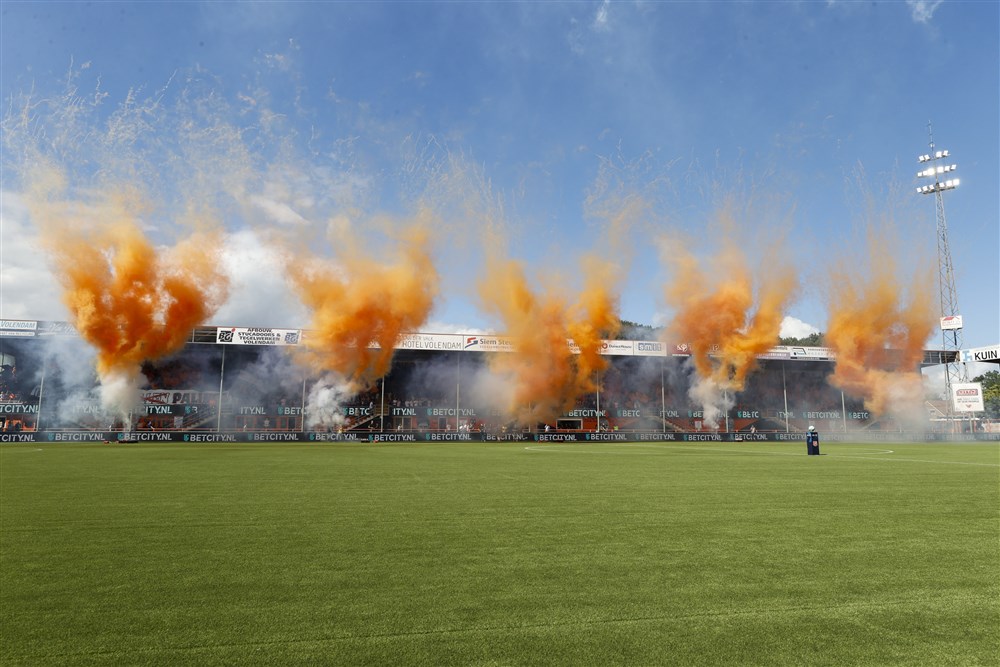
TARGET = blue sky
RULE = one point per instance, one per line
(806, 106)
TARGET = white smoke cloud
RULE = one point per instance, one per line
(120, 395)
(325, 401)
(713, 399)
(259, 294)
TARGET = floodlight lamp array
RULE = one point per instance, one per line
(934, 171)
(938, 187)
(936, 156)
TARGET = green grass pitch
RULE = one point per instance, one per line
(500, 554)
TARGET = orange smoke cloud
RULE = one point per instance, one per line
(363, 301)
(545, 374)
(131, 301)
(879, 338)
(594, 317)
(713, 312)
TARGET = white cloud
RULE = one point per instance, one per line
(28, 289)
(440, 327)
(923, 10)
(792, 327)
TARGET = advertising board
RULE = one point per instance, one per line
(968, 396)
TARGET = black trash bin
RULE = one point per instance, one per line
(812, 442)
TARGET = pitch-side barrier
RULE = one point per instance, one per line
(124, 437)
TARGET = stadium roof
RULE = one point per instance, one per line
(474, 342)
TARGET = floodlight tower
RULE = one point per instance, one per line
(951, 321)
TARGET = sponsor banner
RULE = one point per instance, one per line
(982, 354)
(392, 437)
(418, 341)
(157, 397)
(561, 437)
(19, 408)
(611, 347)
(18, 437)
(749, 437)
(254, 336)
(75, 436)
(270, 411)
(617, 347)
(184, 436)
(606, 347)
(450, 412)
(968, 396)
(451, 436)
(649, 348)
(252, 410)
(951, 322)
(84, 409)
(57, 329)
(16, 333)
(506, 437)
(278, 437)
(827, 414)
(488, 344)
(656, 437)
(811, 353)
(778, 352)
(212, 437)
(20, 325)
(125, 437)
(337, 437)
(872, 436)
(148, 436)
(607, 437)
(586, 412)
(155, 409)
(624, 412)
(703, 437)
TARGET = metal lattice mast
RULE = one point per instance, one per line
(951, 320)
